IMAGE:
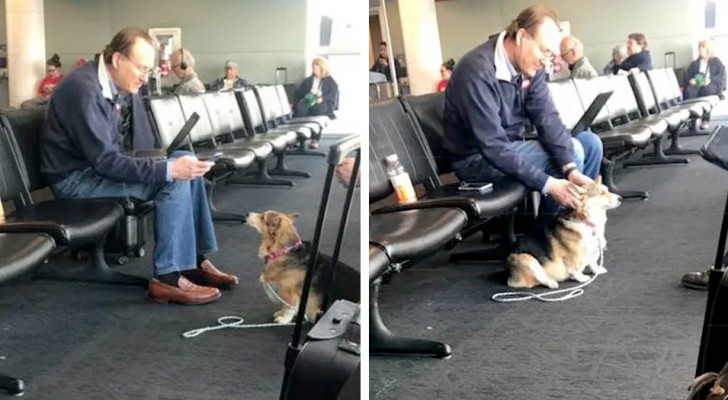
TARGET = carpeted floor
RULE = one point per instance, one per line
(90, 341)
(634, 334)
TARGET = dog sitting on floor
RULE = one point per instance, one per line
(286, 259)
(566, 249)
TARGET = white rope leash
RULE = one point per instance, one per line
(235, 322)
(572, 292)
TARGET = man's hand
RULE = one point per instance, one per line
(693, 82)
(567, 193)
(580, 179)
(187, 168)
(706, 82)
(383, 61)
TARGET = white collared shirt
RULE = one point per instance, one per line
(108, 89)
(504, 69)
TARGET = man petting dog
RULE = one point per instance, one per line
(492, 91)
(94, 114)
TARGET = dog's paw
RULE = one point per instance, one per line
(284, 316)
(579, 277)
(551, 284)
(597, 270)
(283, 319)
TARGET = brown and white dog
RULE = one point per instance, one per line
(286, 259)
(565, 250)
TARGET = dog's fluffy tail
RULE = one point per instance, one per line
(527, 272)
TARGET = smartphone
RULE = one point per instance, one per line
(476, 187)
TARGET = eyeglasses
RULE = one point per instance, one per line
(142, 70)
(567, 52)
(543, 53)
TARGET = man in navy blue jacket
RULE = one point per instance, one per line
(87, 127)
(491, 92)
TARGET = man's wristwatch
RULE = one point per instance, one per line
(569, 170)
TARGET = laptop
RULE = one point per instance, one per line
(174, 146)
(591, 113)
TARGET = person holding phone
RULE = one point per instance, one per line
(382, 64)
(96, 112)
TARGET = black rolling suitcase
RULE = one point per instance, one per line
(327, 365)
(713, 352)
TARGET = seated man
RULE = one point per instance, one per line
(231, 80)
(572, 51)
(93, 116)
(183, 65)
(495, 88)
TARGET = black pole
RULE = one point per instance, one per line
(294, 346)
(342, 226)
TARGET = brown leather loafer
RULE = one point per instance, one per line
(208, 275)
(696, 280)
(186, 293)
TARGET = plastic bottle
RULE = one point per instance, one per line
(400, 180)
(2, 212)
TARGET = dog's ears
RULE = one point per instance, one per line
(294, 216)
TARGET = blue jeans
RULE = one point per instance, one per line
(587, 155)
(183, 225)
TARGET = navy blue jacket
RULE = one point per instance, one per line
(329, 92)
(716, 68)
(484, 114)
(641, 60)
(81, 131)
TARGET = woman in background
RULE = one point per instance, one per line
(48, 84)
(316, 95)
(445, 72)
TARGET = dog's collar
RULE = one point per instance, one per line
(274, 255)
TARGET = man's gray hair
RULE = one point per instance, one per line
(619, 49)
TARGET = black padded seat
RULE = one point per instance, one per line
(655, 123)
(378, 262)
(278, 142)
(505, 196)
(235, 158)
(626, 136)
(69, 222)
(412, 234)
(20, 252)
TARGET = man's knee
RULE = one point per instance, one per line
(578, 151)
(591, 144)
(181, 153)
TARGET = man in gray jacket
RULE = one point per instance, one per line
(572, 51)
(183, 66)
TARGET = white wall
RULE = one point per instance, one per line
(600, 25)
(260, 34)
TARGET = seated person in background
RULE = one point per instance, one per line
(183, 65)
(496, 87)
(382, 64)
(706, 75)
(48, 84)
(316, 95)
(445, 72)
(619, 53)
(93, 117)
(231, 80)
(639, 57)
(572, 51)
